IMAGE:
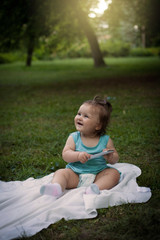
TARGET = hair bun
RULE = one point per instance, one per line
(104, 102)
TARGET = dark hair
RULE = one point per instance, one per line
(105, 109)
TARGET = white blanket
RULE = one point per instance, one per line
(24, 212)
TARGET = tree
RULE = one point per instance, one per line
(32, 19)
(11, 20)
(23, 21)
(143, 15)
(84, 24)
(74, 23)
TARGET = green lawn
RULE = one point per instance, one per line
(38, 105)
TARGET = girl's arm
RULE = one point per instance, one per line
(70, 155)
(111, 158)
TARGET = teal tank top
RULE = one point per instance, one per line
(93, 166)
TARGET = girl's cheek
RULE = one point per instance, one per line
(75, 118)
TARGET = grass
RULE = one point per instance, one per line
(38, 105)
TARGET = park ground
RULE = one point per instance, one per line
(38, 105)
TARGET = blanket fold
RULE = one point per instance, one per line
(24, 212)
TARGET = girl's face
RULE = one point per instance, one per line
(87, 120)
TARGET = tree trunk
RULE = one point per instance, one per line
(96, 53)
(143, 36)
(92, 39)
(30, 49)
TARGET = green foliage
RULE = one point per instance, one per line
(37, 110)
(123, 15)
(145, 52)
(21, 21)
(57, 22)
(6, 58)
(115, 48)
(31, 21)
(41, 53)
(76, 50)
(81, 50)
(11, 57)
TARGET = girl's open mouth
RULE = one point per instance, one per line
(79, 123)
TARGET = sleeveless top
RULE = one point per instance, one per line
(93, 166)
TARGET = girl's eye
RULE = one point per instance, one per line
(86, 116)
(78, 114)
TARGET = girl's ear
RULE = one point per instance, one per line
(99, 126)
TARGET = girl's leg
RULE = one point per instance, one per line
(62, 179)
(66, 178)
(107, 179)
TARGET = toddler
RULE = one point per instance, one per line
(91, 122)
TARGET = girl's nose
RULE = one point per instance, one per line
(80, 117)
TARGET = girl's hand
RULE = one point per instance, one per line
(112, 158)
(83, 157)
(109, 157)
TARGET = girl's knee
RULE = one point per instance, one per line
(59, 171)
(63, 172)
(116, 174)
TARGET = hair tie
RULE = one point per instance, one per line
(105, 101)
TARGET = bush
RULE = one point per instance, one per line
(115, 48)
(82, 49)
(41, 53)
(79, 50)
(11, 57)
(144, 52)
(155, 51)
(6, 58)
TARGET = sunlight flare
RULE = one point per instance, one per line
(99, 10)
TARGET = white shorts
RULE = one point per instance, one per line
(86, 180)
